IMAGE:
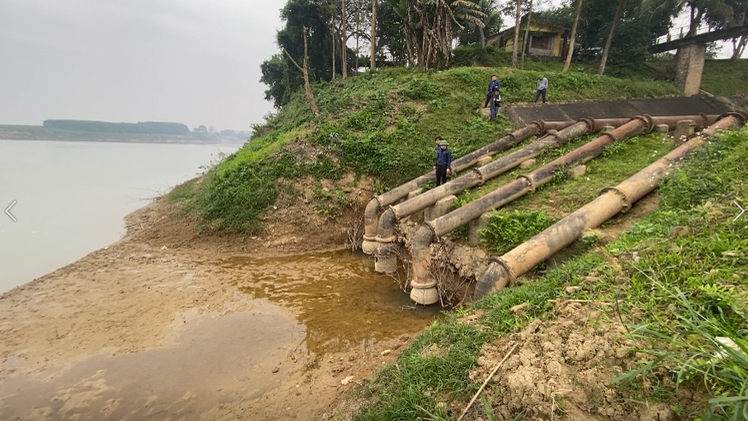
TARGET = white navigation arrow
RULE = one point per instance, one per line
(7, 211)
(742, 211)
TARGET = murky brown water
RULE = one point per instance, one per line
(337, 295)
(317, 303)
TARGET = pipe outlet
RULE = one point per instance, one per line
(494, 278)
(386, 258)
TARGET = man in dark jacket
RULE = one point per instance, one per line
(494, 85)
(443, 163)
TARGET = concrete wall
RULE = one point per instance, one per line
(690, 66)
(524, 115)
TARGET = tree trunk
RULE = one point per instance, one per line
(482, 37)
(738, 47)
(358, 35)
(305, 73)
(344, 46)
(695, 20)
(527, 36)
(516, 34)
(333, 54)
(573, 36)
(373, 64)
(612, 32)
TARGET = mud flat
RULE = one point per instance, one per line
(173, 325)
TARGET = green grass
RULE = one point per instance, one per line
(673, 276)
(380, 124)
(720, 77)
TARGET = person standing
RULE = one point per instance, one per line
(542, 89)
(494, 84)
(443, 164)
(438, 141)
(495, 103)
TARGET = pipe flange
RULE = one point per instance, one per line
(742, 116)
(591, 124)
(394, 210)
(648, 122)
(386, 240)
(372, 238)
(480, 176)
(625, 201)
(704, 120)
(540, 125)
(423, 285)
(529, 181)
(507, 268)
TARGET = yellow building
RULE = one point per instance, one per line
(544, 40)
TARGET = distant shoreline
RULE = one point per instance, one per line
(42, 133)
(236, 142)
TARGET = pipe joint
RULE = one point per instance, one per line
(625, 201)
(528, 179)
(591, 124)
(742, 116)
(507, 268)
(540, 124)
(479, 173)
(648, 122)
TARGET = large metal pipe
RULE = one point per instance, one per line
(554, 139)
(524, 184)
(505, 269)
(371, 213)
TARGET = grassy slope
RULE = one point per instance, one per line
(380, 124)
(657, 259)
(725, 77)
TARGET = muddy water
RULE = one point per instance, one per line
(342, 302)
(315, 304)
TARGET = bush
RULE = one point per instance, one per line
(507, 230)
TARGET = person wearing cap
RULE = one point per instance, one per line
(542, 88)
(492, 86)
(443, 164)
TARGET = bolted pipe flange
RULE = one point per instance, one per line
(625, 201)
(591, 124)
(540, 125)
(369, 247)
(527, 178)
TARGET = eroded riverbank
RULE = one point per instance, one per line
(141, 329)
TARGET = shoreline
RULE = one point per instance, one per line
(136, 141)
(138, 297)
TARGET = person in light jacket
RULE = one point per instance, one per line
(542, 89)
(443, 164)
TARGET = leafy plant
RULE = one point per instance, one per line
(507, 230)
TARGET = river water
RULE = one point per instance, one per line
(72, 196)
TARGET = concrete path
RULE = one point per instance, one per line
(523, 115)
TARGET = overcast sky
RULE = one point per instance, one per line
(190, 61)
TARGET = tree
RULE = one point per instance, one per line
(527, 35)
(573, 36)
(373, 39)
(516, 33)
(305, 71)
(491, 25)
(613, 26)
(344, 33)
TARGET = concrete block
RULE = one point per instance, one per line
(578, 171)
(414, 193)
(439, 209)
(684, 129)
(475, 228)
(663, 129)
(608, 129)
(484, 160)
(527, 164)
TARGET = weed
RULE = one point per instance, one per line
(507, 230)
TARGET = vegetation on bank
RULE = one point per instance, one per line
(381, 124)
(679, 283)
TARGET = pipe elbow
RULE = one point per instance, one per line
(422, 239)
(494, 278)
(386, 226)
(370, 219)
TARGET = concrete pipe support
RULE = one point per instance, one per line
(371, 213)
(505, 269)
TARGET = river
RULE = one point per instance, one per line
(71, 197)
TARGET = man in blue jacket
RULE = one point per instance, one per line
(494, 85)
(443, 164)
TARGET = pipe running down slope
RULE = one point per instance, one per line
(386, 260)
(423, 285)
(371, 213)
(505, 269)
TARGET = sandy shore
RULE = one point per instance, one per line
(155, 325)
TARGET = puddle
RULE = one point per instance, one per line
(342, 302)
(213, 363)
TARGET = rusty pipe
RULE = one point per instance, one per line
(388, 220)
(371, 213)
(505, 269)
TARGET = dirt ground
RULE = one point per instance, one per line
(153, 294)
